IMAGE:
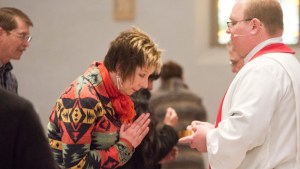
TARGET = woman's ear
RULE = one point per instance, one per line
(118, 68)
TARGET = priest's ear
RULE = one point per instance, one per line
(256, 26)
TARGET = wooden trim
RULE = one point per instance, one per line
(124, 10)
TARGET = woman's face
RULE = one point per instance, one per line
(137, 81)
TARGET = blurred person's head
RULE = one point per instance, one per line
(171, 69)
(236, 62)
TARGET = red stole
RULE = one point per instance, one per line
(272, 48)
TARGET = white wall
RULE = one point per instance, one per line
(69, 34)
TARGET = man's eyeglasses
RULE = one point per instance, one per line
(232, 23)
(22, 36)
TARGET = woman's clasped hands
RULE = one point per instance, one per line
(135, 132)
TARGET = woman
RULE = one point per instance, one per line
(91, 124)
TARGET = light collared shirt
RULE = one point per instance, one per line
(260, 46)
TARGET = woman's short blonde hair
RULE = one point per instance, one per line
(131, 49)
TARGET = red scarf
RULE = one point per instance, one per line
(272, 48)
(121, 103)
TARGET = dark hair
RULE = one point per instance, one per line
(171, 69)
(141, 101)
(154, 76)
(141, 105)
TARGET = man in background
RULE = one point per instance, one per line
(236, 61)
(174, 92)
(14, 39)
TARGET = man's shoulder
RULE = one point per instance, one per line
(11, 100)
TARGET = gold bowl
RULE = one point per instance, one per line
(184, 133)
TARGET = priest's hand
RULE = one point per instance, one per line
(197, 139)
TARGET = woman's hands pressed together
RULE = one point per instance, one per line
(135, 132)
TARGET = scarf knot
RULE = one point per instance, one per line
(122, 104)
